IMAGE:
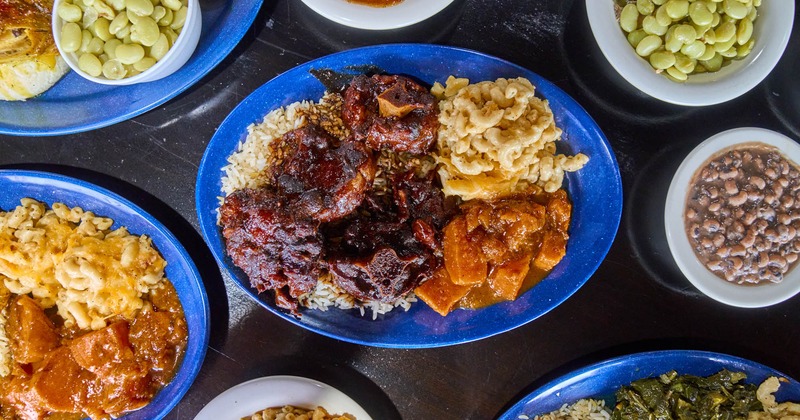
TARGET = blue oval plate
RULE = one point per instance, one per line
(75, 104)
(181, 271)
(596, 192)
(601, 380)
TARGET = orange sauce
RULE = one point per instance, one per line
(483, 295)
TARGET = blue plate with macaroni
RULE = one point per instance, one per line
(601, 380)
(181, 271)
(76, 105)
(596, 192)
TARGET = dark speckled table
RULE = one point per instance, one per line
(636, 301)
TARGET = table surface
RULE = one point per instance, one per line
(636, 301)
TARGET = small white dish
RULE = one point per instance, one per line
(704, 280)
(772, 30)
(362, 16)
(277, 391)
(175, 58)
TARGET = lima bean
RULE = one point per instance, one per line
(69, 12)
(114, 70)
(90, 64)
(711, 32)
(129, 53)
(71, 37)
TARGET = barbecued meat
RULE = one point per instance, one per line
(391, 112)
(393, 245)
(277, 246)
(325, 181)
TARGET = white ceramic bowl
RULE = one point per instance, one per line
(361, 16)
(703, 279)
(771, 31)
(175, 58)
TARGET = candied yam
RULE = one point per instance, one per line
(559, 211)
(463, 259)
(554, 247)
(60, 384)
(106, 352)
(31, 334)
(440, 293)
(506, 279)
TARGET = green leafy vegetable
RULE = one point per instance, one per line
(721, 396)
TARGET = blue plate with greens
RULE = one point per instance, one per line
(601, 380)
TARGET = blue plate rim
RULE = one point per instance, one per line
(563, 97)
(211, 60)
(174, 242)
(724, 358)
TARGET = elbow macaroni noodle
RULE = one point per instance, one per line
(496, 138)
(71, 259)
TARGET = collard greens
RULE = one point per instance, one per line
(718, 397)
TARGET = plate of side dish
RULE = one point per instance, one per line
(75, 104)
(119, 309)
(600, 381)
(377, 14)
(248, 398)
(595, 192)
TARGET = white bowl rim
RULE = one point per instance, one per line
(192, 13)
(362, 16)
(775, 17)
(704, 280)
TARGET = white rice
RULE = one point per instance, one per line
(246, 169)
(585, 409)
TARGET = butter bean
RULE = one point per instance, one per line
(71, 37)
(90, 64)
(140, 7)
(129, 53)
(114, 70)
(69, 12)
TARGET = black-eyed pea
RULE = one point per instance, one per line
(730, 187)
(749, 217)
(718, 240)
(738, 199)
(758, 182)
(738, 250)
(737, 263)
(715, 265)
(723, 251)
(791, 258)
(706, 243)
(762, 259)
(749, 239)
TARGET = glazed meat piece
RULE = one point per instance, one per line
(274, 244)
(379, 258)
(326, 181)
(394, 245)
(391, 112)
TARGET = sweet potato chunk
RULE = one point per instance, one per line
(559, 211)
(554, 246)
(106, 353)
(506, 279)
(440, 293)
(31, 334)
(463, 259)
